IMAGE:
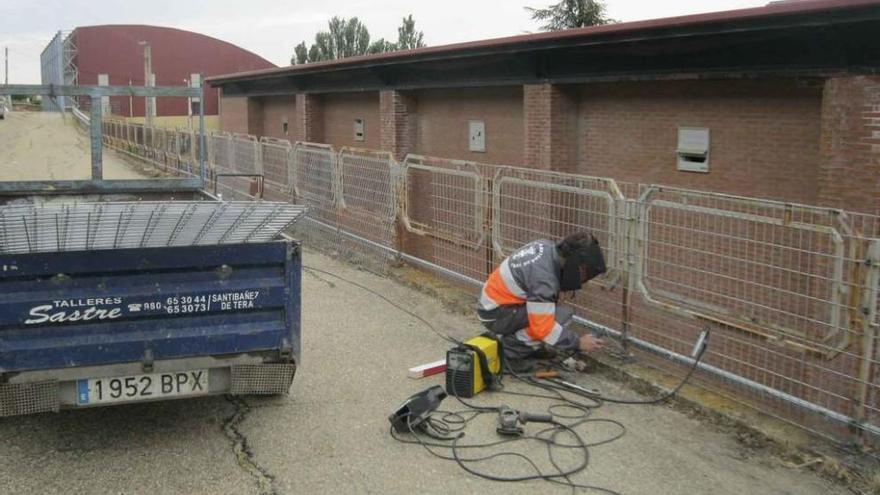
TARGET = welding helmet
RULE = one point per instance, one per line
(583, 260)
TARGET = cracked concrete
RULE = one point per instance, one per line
(330, 435)
(242, 451)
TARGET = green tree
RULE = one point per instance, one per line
(381, 46)
(407, 36)
(569, 14)
(323, 48)
(350, 37)
(300, 54)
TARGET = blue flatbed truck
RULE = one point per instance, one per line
(91, 327)
(125, 290)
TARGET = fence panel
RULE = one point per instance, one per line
(534, 204)
(219, 151)
(529, 204)
(171, 151)
(314, 178)
(186, 157)
(447, 204)
(235, 166)
(275, 156)
(246, 154)
(780, 284)
(779, 266)
(367, 205)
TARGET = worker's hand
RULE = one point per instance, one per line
(588, 343)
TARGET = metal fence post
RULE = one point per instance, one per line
(870, 293)
(202, 129)
(629, 231)
(96, 135)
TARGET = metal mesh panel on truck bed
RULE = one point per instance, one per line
(28, 398)
(262, 379)
(53, 227)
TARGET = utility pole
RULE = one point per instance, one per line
(189, 105)
(148, 72)
(7, 65)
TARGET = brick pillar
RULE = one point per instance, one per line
(234, 114)
(255, 116)
(397, 133)
(309, 118)
(849, 169)
(550, 114)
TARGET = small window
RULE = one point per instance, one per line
(693, 149)
(358, 129)
(284, 127)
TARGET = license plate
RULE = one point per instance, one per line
(141, 387)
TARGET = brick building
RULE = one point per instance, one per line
(781, 101)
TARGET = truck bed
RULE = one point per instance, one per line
(229, 312)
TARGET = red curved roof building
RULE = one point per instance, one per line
(118, 52)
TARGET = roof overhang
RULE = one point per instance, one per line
(809, 38)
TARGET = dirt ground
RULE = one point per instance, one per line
(331, 434)
(48, 146)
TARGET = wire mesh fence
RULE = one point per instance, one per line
(780, 285)
(446, 204)
(314, 178)
(276, 156)
(790, 291)
(170, 151)
(368, 202)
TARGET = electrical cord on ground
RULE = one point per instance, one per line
(562, 476)
(389, 301)
(602, 398)
(449, 427)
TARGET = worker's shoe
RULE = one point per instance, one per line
(519, 366)
(546, 353)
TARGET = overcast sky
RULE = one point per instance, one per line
(272, 28)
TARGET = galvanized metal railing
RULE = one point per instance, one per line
(790, 290)
(150, 145)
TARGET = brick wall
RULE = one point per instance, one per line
(255, 116)
(807, 141)
(339, 112)
(764, 134)
(234, 114)
(397, 112)
(276, 111)
(309, 118)
(241, 115)
(442, 123)
(849, 175)
(550, 120)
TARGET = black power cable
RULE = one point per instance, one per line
(449, 426)
(389, 301)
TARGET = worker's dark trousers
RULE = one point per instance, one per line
(505, 321)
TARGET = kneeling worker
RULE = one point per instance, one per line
(519, 300)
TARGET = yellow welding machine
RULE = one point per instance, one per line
(473, 366)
